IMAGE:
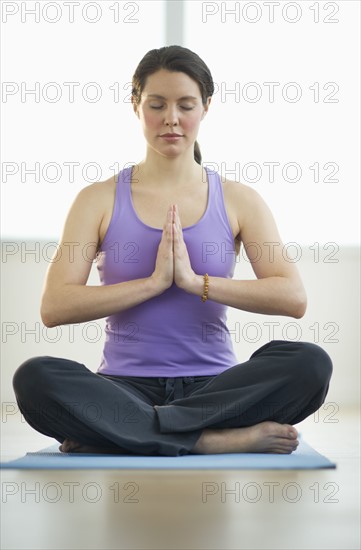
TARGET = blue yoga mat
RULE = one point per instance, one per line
(50, 458)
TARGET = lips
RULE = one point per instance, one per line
(171, 135)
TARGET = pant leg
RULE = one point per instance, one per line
(62, 398)
(282, 381)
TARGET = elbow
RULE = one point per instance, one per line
(47, 320)
(47, 315)
(299, 305)
(49, 324)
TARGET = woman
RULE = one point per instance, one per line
(165, 234)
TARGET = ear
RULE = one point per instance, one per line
(135, 107)
(206, 106)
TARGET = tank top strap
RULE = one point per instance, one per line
(123, 189)
(217, 213)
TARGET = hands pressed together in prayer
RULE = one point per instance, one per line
(172, 262)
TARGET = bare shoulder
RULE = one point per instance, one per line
(104, 192)
(100, 191)
(242, 201)
(99, 197)
(240, 192)
(91, 209)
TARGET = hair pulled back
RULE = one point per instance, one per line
(174, 59)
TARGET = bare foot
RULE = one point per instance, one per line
(71, 446)
(266, 437)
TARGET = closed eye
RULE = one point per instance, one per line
(185, 108)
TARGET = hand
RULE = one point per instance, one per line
(184, 275)
(164, 268)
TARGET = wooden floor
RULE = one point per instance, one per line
(210, 509)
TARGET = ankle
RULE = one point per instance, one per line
(206, 440)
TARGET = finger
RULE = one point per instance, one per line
(178, 235)
(177, 218)
(172, 223)
(179, 227)
(175, 235)
(166, 223)
(168, 216)
(168, 230)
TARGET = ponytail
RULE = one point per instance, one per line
(197, 153)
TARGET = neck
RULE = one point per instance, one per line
(166, 171)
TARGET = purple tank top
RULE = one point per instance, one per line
(175, 333)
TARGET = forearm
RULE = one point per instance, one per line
(72, 303)
(269, 296)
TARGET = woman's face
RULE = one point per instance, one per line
(171, 102)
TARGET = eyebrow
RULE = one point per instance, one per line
(161, 97)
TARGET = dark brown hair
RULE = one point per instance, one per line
(175, 59)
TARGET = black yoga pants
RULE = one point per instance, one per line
(282, 381)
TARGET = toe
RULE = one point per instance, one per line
(291, 431)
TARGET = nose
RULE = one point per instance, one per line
(171, 116)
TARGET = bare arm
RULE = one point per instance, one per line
(278, 289)
(66, 298)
